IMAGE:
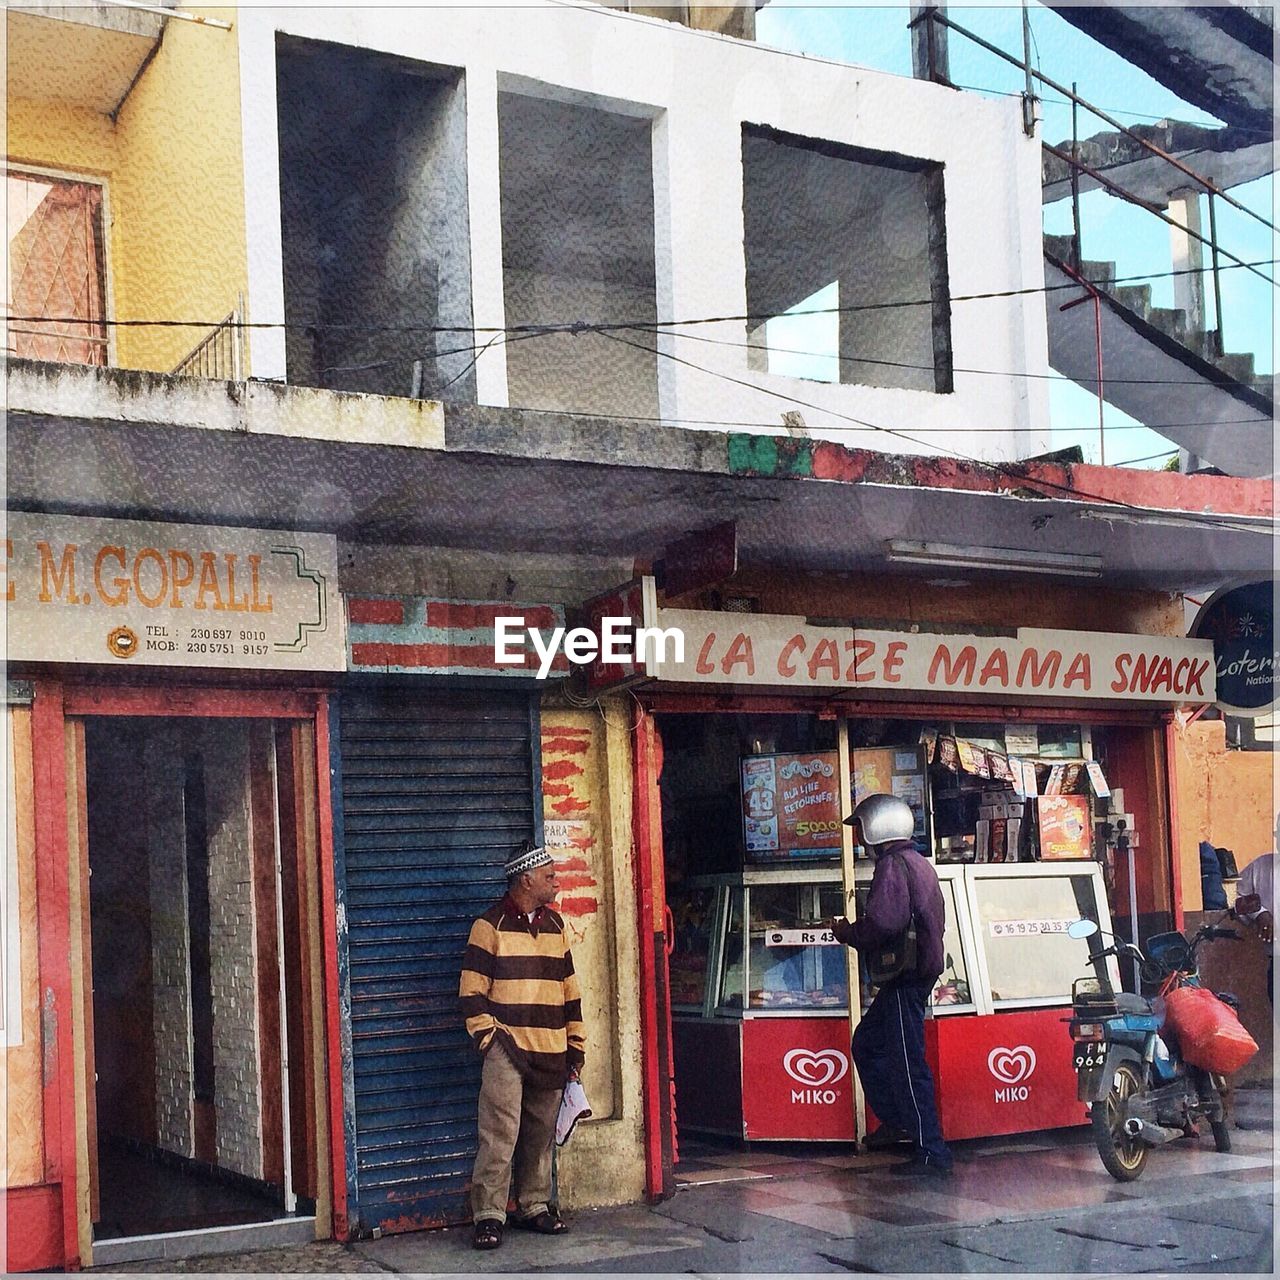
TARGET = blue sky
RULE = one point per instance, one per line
(1138, 242)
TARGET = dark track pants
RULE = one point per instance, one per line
(888, 1050)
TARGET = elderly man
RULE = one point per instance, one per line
(523, 1010)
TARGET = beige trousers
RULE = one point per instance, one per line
(517, 1125)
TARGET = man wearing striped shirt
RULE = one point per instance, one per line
(523, 1011)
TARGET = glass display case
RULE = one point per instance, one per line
(760, 1001)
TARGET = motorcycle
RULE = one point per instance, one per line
(1140, 1092)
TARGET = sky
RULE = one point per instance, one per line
(1111, 229)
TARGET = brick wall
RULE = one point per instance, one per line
(232, 948)
(170, 952)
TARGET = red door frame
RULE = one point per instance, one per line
(659, 1137)
(53, 703)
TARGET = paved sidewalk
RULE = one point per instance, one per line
(1035, 1203)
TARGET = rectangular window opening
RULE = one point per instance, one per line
(577, 245)
(857, 239)
(376, 230)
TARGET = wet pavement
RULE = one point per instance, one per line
(1038, 1203)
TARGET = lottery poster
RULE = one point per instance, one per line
(1064, 827)
(791, 806)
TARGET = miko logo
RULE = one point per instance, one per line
(1011, 1067)
(817, 1071)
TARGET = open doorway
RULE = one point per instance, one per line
(200, 914)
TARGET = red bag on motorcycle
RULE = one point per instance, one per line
(1208, 1031)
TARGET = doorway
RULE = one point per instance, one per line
(202, 915)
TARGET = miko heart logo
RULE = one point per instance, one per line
(1012, 1066)
(816, 1069)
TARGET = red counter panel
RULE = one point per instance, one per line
(797, 1079)
(1003, 1073)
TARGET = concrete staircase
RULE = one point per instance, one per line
(1158, 370)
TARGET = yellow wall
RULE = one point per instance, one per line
(586, 771)
(23, 1102)
(175, 186)
(1225, 797)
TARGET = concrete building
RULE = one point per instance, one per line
(358, 325)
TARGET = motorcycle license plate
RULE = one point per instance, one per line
(1088, 1055)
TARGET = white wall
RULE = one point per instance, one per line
(701, 89)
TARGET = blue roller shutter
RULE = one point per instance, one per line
(435, 791)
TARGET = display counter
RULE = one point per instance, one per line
(760, 1000)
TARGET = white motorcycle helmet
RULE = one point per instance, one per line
(882, 818)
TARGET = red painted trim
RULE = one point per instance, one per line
(1175, 841)
(137, 700)
(333, 1013)
(1169, 491)
(643, 781)
(672, 703)
(33, 1226)
(53, 914)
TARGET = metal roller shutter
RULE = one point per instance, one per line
(435, 791)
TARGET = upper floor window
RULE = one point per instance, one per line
(56, 286)
(846, 263)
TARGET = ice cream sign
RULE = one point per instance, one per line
(139, 593)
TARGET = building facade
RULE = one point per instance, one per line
(360, 328)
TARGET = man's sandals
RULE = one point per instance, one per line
(488, 1233)
(546, 1223)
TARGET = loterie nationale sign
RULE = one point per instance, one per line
(138, 593)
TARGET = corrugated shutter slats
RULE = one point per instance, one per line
(435, 792)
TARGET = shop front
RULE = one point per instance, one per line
(170, 912)
(1034, 762)
(436, 769)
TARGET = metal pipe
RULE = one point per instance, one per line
(1217, 277)
(1102, 115)
(216, 23)
(1028, 93)
(1115, 189)
(1097, 339)
(1076, 246)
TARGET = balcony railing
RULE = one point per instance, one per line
(220, 355)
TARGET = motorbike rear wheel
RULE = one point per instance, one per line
(1123, 1157)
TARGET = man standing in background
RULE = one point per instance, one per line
(523, 1011)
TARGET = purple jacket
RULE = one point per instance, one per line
(888, 908)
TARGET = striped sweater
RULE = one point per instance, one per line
(518, 986)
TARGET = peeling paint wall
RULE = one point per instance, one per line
(1225, 797)
(586, 785)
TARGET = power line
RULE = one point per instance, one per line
(1008, 470)
(903, 364)
(572, 326)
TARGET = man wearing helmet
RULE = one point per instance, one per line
(888, 1045)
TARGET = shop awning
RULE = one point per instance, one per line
(402, 472)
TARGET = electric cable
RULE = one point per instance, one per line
(572, 326)
(1009, 471)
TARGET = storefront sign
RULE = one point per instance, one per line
(1241, 624)
(791, 806)
(137, 593)
(778, 650)
(799, 1079)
